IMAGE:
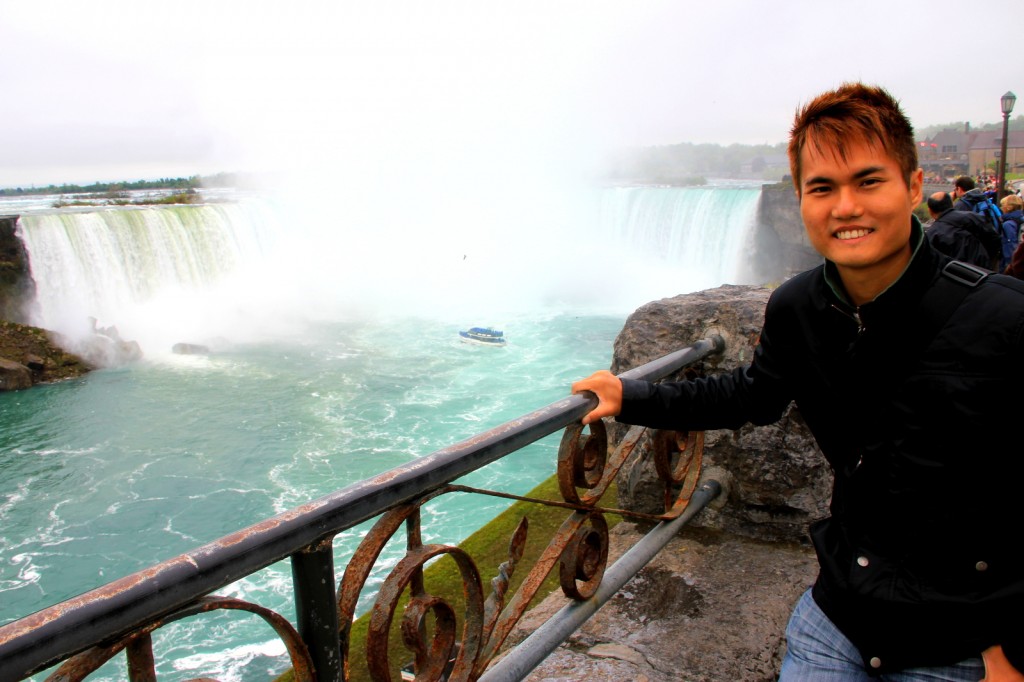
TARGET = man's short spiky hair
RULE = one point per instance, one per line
(850, 113)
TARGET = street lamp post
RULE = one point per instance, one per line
(1006, 103)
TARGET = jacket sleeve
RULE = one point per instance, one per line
(1016, 266)
(756, 394)
(1009, 239)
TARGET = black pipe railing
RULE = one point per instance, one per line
(120, 615)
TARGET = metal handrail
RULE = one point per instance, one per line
(116, 609)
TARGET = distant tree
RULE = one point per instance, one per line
(685, 160)
(926, 132)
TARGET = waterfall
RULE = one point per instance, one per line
(684, 239)
(104, 262)
(186, 273)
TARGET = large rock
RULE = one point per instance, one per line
(780, 482)
(14, 376)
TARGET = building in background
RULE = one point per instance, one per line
(953, 152)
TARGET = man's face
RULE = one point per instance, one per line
(857, 211)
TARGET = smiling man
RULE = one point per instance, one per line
(896, 357)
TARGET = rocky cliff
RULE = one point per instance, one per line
(780, 246)
(28, 355)
(17, 290)
(713, 605)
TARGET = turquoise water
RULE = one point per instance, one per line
(335, 356)
(108, 474)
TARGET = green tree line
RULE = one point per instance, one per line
(182, 184)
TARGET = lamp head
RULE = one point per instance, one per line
(1007, 101)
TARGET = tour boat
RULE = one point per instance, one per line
(483, 336)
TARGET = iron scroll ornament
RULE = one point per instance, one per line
(579, 547)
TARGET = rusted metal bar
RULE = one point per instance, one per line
(141, 664)
(534, 649)
(316, 609)
(563, 505)
(138, 644)
(112, 611)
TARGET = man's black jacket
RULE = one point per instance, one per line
(967, 237)
(921, 560)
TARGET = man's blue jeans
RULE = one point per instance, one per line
(816, 651)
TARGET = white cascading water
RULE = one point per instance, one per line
(190, 273)
(112, 264)
(699, 234)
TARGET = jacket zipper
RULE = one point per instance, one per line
(854, 315)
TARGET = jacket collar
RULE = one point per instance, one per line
(916, 277)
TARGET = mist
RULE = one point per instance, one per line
(429, 161)
(435, 159)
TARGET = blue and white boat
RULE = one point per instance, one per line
(484, 336)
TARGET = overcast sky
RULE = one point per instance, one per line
(116, 90)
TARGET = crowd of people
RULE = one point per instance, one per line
(967, 225)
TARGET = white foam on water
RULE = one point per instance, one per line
(230, 665)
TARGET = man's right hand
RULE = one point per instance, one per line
(608, 389)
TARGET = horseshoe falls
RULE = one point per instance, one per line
(333, 355)
(143, 270)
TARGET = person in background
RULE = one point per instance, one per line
(1016, 266)
(1013, 219)
(966, 194)
(896, 357)
(962, 235)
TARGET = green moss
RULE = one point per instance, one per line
(488, 547)
(921, 211)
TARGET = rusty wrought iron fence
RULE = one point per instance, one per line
(85, 632)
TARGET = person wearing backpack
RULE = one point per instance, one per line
(973, 199)
(964, 186)
(962, 235)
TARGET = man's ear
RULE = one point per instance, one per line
(917, 186)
